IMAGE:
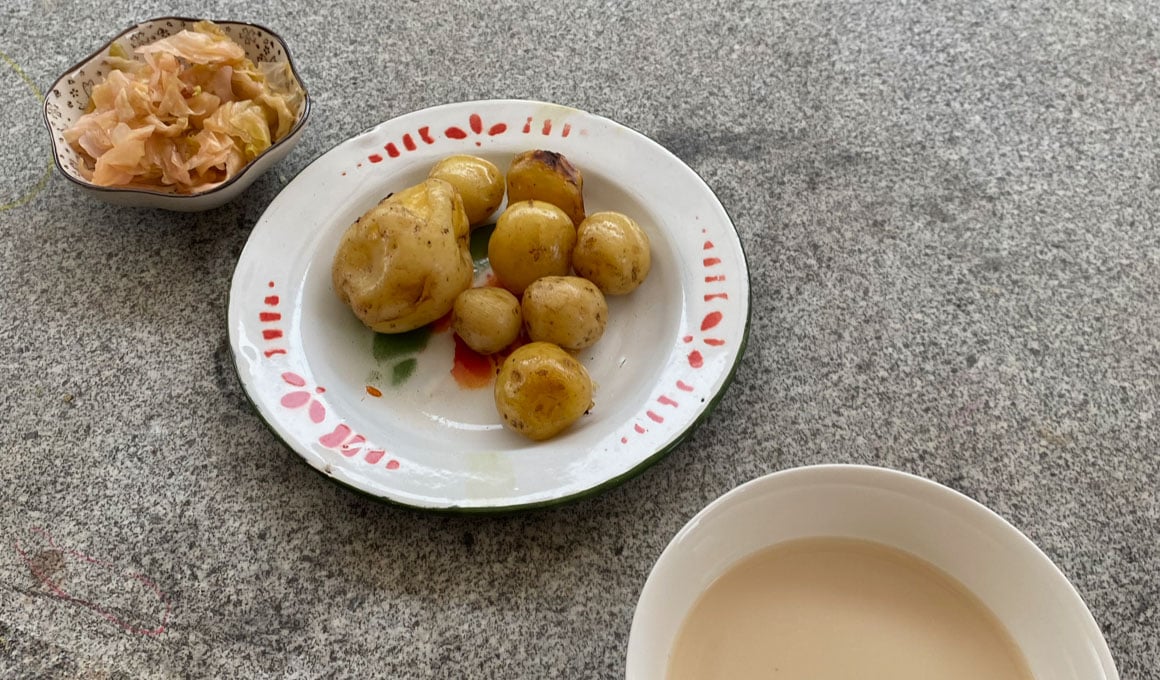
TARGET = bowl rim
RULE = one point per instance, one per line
(289, 137)
(883, 477)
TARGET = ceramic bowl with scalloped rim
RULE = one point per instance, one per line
(67, 99)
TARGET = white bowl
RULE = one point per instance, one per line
(68, 97)
(1035, 602)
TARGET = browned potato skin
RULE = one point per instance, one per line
(612, 251)
(487, 319)
(532, 239)
(541, 390)
(402, 263)
(479, 181)
(565, 310)
(547, 176)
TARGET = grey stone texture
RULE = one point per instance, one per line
(950, 214)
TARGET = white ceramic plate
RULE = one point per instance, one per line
(1031, 597)
(387, 415)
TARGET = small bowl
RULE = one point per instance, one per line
(1040, 609)
(69, 96)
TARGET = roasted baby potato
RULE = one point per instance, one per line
(479, 182)
(612, 251)
(402, 264)
(547, 176)
(565, 310)
(487, 319)
(531, 239)
(541, 390)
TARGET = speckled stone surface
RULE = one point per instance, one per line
(949, 211)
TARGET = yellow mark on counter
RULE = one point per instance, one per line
(40, 184)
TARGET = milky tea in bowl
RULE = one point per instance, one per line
(839, 608)
(858, 572)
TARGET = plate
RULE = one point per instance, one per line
(411, 419)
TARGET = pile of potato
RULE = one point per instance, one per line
(402, 265)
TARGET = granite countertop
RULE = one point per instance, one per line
(949, 211)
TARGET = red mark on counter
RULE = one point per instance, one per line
(36, 565)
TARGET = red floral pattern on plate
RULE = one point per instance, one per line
(695, 358)
(475, 131)
(341, 438)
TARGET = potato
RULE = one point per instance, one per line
(612, 252)
(402, 264)
(531, 239)
(565, 310)
(547, 176)
(479, 182)
(487, 319)
(541, 390)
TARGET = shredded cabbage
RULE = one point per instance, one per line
(184, 113)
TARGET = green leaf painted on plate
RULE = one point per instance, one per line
(479, 238)
(393, 345)
(403, 371)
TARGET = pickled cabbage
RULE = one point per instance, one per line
(183, 114)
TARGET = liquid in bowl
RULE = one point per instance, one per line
(838, 608)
